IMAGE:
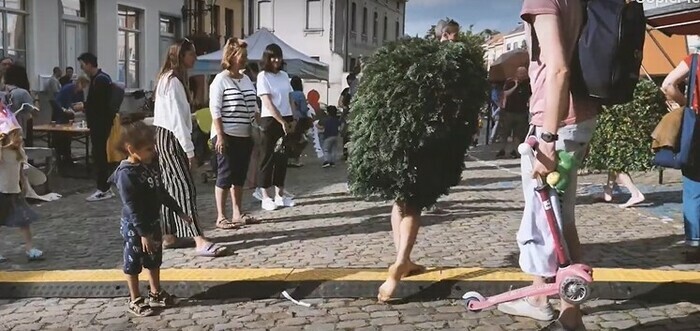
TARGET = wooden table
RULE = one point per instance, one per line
(74, 131)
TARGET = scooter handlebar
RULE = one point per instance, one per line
(527, 149)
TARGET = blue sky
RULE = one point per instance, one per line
(501, 15)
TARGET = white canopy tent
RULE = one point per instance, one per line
(296, 63)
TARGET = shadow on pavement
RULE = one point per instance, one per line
(369, 225)
(647, 253)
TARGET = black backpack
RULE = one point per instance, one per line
(607, 62)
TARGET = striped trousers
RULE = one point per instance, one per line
(177, 180)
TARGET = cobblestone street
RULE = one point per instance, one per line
(329, 229)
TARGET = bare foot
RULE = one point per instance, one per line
(392, 280)
(633, 201)
(607, 194)
(414, 269)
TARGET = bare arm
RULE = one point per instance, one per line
(267, 103)
(557, 73)
(670, 84)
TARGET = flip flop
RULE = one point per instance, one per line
(211, 251)
(225, 224)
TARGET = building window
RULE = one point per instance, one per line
(397, 31)
(169, 32)
(386, 28)
(317, 58)
(398, 4)
(216, 20)
(199, 7)
(13, 26)
(375, 26)
(265, 14)
(523, 44)
(314, 14)
(353, 17)
(364, 21)
(507, 47)
(352, 64)
(128, 42)
(228, 23)
(75, 8)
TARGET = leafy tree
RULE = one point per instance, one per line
(622, 140)
(413, 117)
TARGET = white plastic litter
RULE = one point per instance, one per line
(300, 303)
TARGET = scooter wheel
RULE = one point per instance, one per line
(470, 297)
(574, 290)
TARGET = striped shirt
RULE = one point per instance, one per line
(232, 100)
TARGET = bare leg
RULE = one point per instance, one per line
(237, 198)
(396, 218)
(220, 197)
(637, 196)
(27, 235)
(132, 281)
(408, 231)
(154, 280)
(608, 188)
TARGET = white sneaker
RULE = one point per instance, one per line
(269, 204)
(284, 202)
(257, 194)
(524, 308)
(99, 196)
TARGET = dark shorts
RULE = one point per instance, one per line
(232, 165)
(134, 257)
(513, 125)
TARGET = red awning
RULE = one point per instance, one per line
(681, 18)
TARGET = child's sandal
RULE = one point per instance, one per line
(161, 299)
(35, 255)
(140, 308)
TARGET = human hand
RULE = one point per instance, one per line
(546, 161)
(149, 247)
(78, 106)
(186, 218)
(220, 145)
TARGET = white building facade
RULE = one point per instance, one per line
(128, 36)
(336, 32)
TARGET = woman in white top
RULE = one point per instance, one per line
(276, 121)
(173, 121)
(233, 106)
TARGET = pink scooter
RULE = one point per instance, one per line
(572, 280)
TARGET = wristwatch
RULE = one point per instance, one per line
(549, 137)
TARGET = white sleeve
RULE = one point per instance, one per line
(263, 85)
(181, 116)
(216, 96)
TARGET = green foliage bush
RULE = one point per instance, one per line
(622, 141)
(414, 115)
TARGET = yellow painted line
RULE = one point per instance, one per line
(301, 275)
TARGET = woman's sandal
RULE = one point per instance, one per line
(225, 224)
(212, 250)
(140, 308)
(247, 220)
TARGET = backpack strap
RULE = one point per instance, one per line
(692, 80)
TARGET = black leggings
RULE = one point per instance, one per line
(272, 165)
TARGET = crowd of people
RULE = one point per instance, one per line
(259, 125)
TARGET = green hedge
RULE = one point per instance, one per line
(413, 118)
(622, 141)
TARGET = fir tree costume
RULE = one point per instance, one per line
(414, 116)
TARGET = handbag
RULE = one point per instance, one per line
(678, 157)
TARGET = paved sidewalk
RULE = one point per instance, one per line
(335, 314)
(330, 229)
